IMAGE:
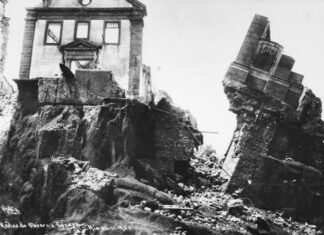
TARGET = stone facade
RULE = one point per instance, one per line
(44, 48)
(262, 66)
(275, 158)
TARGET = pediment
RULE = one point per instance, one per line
(81, 45)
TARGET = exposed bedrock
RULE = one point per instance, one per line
(79, 163)
(129, 137)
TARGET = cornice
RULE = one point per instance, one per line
(91, 13)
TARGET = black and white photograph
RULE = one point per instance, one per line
(161, 117)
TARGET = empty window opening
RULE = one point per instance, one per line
(112, 32)
(53, 33)
(82, 30)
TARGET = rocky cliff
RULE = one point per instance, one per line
(49, 145)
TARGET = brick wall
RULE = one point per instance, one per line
(27, 49)
(173, 140)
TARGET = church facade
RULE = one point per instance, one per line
(86, 34)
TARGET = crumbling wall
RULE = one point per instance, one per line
(261, 65)
(275, 158)
(175, 138)
(88, 87)
(276, 155)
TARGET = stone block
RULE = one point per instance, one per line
(66, 92)
(95, 85)
(247, 51)
(47, 90)
(295, 79)
(276, 89)
(256, 83)
(259, 25)
(89, 87)
(236, 73)
(285, 66)
(293, 95)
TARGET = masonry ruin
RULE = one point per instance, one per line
(101, 75)
(261, 65)
(93, 39)
(275, 158)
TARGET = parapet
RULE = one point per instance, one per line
(90, 87)
(261, 65)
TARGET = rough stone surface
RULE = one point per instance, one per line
(46, 168)
(124, 136)
(275, 158)
(175, 138)
(276, 155)
(261, 65)
(89, 87)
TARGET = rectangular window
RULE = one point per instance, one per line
(112, 32)
(82, 30)
(53, 33)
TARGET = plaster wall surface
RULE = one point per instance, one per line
(46, 58)
(94, 3)
(116, 57)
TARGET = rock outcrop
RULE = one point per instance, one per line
(276, 155)
(77, 162)
(117, 135)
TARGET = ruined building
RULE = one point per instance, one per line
(93, 38)
(262, 65)
(102, 112)
(275, 158)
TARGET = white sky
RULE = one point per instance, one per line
(190, 43)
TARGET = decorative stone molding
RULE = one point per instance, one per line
(80, 50)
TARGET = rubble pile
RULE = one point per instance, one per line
(207, 165)
(219, 211)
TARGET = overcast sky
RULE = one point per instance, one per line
(190, 43)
